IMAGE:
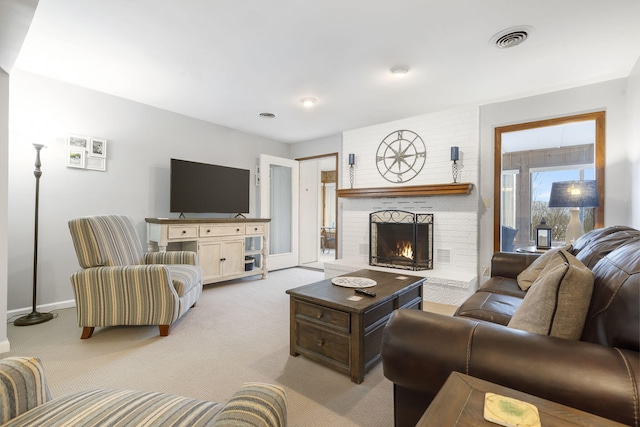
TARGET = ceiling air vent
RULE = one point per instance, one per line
(510, 37)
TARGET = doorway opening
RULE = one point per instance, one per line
(319, 242)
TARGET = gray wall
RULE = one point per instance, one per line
(141, 140)
(608, 96)
(317, 147)
(4, 165)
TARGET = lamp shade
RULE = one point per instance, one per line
(574, 194)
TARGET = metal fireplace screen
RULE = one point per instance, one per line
(400, 239)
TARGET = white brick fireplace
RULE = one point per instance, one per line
(456, 217)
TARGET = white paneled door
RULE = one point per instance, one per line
(279, 201)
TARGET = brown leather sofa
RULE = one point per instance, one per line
(599, 373)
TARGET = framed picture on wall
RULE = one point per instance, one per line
(78, 141)
(98, 148)
(75, 157)
(96, 163)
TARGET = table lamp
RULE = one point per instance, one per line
(574, 195)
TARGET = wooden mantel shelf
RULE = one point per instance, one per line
(407, 191)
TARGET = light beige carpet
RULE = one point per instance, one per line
(239, 331)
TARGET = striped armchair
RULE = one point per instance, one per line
(119, 284)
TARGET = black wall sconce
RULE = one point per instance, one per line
(352, 161)
(455, 156)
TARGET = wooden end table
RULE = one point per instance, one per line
(346, 335)
(460, 403)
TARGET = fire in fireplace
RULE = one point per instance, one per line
(401, 239)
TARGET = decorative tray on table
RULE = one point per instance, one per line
(353, 282)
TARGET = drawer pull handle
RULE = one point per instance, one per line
(237, 229)
(320, 343)
(255, 229)
(319, 315)
(208, 231)
(223, 259)
(184, 231)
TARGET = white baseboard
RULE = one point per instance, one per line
(42, 308)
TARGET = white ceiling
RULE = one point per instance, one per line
(226, 61)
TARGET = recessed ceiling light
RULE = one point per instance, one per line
(268, 115)
(400, 70)
(309, 102)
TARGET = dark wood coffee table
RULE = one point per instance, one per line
(346, 335)
(460, 403)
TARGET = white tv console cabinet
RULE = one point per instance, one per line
(224, 246)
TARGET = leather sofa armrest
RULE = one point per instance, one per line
(421, 349)
(510, 264)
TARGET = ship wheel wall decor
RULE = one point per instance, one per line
(401, 156)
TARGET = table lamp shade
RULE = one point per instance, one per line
(574, 194)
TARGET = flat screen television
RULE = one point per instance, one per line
(205, 188)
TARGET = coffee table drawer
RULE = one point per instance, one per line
(383, 311)
(323, 315)
(325, 343)
(409, 296)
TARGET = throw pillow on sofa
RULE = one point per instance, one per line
(531, 273)
(558, 300)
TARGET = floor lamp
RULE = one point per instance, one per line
(574, 195)
(34, 317)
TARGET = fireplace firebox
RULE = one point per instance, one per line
(401, 239)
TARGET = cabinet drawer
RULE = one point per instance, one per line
(254, 229)
(377, 314)
(326, 343)
(179, 231)
(410, 295)
(322, 315)
(221, 230)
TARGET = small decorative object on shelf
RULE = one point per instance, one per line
(455, 156)
(543, 235)
(352, 161)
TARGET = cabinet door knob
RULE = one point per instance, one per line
(319, 315)
(255, 229)
(237, 229)
(208, 231)
(320, 343)
(184, 231)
